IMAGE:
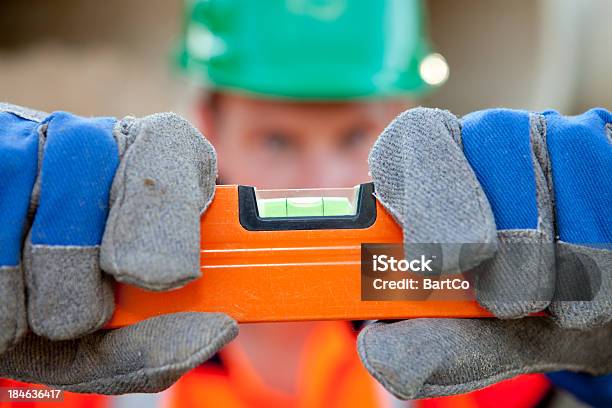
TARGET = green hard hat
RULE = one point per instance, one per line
(310, 49)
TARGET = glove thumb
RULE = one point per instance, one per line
(146, 357)
(425, 358)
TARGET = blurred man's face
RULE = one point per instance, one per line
(272, 143)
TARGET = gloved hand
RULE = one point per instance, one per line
(535, 186)
(95, 198)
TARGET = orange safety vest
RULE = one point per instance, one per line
(331, 376)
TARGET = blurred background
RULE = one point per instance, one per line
(113, 57)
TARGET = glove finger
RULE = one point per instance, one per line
(520, 279)
(583, 296)
(583, 202)
(424, 358)
(18, 166)
(68, 295)
(419, 169)
(166, 179)
(146, 357)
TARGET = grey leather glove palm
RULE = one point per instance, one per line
(502, 182)
(105, 200)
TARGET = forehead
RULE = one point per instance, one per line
(256, 110)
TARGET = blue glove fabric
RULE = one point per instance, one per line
(18, 152)
(580, 153)
(497, 146)
(79, 163)
(581, 156)
(80, 160)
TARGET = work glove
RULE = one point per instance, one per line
(530, 196)
(97, 199)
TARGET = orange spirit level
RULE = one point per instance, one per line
(286, 255)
